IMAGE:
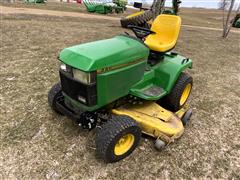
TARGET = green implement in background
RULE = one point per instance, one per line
(34, 1)
(104, 7)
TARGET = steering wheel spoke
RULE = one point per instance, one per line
(140, 32)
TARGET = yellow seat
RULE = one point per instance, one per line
(166, 28)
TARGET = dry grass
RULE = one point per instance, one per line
(195, 16)
(66, 7)
(37, 143)
(201, 17)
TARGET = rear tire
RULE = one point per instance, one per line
(179, 94)
(117, 139)
(137, 20)
(53, 95)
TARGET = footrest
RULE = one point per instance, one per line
(153, 91)
(150, 92)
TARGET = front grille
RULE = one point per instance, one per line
(75, 89)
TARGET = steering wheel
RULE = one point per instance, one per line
(140, 32)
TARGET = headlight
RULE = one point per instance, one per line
(63, 67)
(82, 76)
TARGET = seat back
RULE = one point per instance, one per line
(167, 28)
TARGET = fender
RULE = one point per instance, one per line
(168, 71)
(161, 77)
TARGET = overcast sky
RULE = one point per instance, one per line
(191, 3)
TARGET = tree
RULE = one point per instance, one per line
(157, 7)
(228, 5)
(223, 4)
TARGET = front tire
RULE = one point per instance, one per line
(53, 95)
(118, 138)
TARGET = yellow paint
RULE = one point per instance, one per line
(185, 94)
(135, 14)
(180, 113)
(154, 120)
(124, 144)
(166, 28)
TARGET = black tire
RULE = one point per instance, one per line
(138, 20)
(172, 100)
(110, 134)
(55, 93)
(186, 117)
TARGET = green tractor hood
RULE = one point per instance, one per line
(104, 53)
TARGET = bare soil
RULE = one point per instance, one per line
(36, 143)
(191, 16)
(14, 10)
(24, 10)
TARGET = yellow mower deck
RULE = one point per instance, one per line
(154, 120)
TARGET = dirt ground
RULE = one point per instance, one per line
(34, 11)
(191, 16)
(15, 10)
(36, 143)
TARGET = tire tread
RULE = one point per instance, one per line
(105, 136)
(172, 100)
(137, 20)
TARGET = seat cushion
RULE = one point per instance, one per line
(166, 28)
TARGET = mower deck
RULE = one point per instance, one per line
(154, 120)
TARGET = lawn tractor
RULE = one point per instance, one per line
(145, 16)
(236, 21)
(126, 86)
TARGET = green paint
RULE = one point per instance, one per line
(164, 75)
(116, 84)
(99, 7)
(130, 74)
(104, 53)
(105, 7)
(237, 23)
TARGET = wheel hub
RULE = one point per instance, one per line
(124, 144)
(185, 94)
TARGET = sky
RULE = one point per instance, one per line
(190, 3)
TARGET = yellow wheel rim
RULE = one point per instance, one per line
(135, 14)
(185, 94)
(124, 144)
